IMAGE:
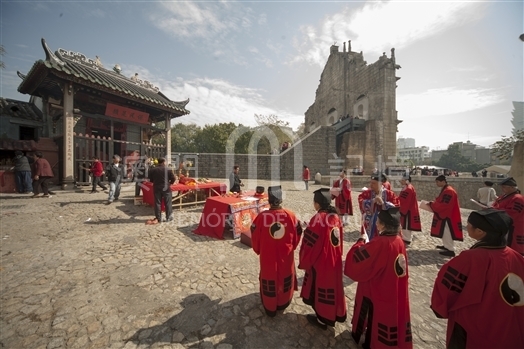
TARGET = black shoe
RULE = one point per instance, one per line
(116, 199)
(313, 320)
(447, 253)
(51, 192)
(441, 247)
(93, 191)
(108, 202)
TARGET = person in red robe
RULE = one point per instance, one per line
(275, 234)
(382, 301)
(513, 203)
(409, 214)
(447, 223)
(343, 201)
(306, 176)
(321, 258)
(371, 202)
(385, 182)
(481, 291)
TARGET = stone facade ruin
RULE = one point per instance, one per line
(363, 97)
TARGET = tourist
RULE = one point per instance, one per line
(42, 173)
(513, 203)
(447, 223)
(382, 300)
(275, 234)
(22, 171)
(487, 195)
(321, 258)
(234, 180)
(481, 291)
(409, 214)
(97, 170)
(115, 176)
(385, 182)
(371, 201)
(306, 176)
(343, 201)
(162, 177)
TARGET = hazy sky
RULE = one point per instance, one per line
(462, 62)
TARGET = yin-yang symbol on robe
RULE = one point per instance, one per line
(277, 230)
(400, 266)
(335, 236)
(512, 290)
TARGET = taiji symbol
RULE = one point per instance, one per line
(335, 236)
(512, 290)
(277, 230)
(400, 266)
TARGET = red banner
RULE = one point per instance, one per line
(127, 114)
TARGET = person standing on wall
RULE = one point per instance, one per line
(162, 177)
(306, 176)
(447, 222)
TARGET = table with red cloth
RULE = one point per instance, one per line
(209, 189)
(230, 213)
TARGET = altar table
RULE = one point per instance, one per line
(222, 214)
(210, 189)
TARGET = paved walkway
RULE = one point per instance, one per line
(76, 273)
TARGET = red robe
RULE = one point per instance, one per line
(321, 258)
(382, 301)
(513, 204)
(275, 234)
(370, 211)
(409, 214)
(386, 185)
(478, 292)
(343, 202)
(446, 210)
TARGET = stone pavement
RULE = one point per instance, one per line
(76, 273)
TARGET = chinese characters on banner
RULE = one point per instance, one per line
(127, 114)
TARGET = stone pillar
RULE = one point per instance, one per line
(68, 156)
(517, 164)
(168, 139)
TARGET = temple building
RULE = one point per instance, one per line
(90, 110)
(359, 101)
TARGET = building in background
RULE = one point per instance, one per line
(415, 154)
(405, 143)
(471, 151)
(518, 117)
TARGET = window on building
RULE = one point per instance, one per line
(27, 133)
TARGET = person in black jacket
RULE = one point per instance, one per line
(115, 176)
(162, 177)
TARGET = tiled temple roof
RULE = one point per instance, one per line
(20, 109)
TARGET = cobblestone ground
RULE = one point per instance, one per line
(76, 273)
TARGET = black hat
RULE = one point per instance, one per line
(441, 178)
(491, 221)
(510, 181)
(274, 195)
(375, 177)
(259, 190)
(488, 183)
(390, 216)
(383, 177)
(322, 197)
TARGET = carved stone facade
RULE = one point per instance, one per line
(350, 88)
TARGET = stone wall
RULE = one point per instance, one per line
(314, 150)
(517, 164)
(426, 189)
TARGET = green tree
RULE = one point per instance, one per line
(213, 138)
(184, 138)
(271, 126)
(454, 160)
(503, 149)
